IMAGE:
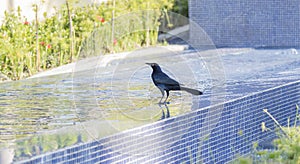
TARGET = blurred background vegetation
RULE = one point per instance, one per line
(28, 47)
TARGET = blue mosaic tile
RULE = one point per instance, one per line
(190, 136)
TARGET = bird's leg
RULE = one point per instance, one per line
(167, 97)
(168, 112)
(163, 95)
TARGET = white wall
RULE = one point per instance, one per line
(27, 10)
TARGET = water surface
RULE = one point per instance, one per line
(90, 104)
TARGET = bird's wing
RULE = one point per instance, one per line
(163, 78)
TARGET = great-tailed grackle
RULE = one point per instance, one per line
(164, 83)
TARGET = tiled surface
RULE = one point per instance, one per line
(190, 138)
(240, 23)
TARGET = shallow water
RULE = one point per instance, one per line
(98, 102)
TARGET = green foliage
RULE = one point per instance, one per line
(243, 160)
(287, 148)
(17, 46)
(181, 7)
(30, 47)
(287, 145)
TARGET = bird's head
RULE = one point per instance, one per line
(154, 66)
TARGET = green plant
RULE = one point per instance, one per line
(28, 47)
(287, 144)
(181, 7)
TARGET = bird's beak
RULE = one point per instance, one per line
(148, 64)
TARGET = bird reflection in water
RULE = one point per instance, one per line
(162, 107)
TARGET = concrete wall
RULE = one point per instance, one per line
(253, 23)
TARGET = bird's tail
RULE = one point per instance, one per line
(192, 91)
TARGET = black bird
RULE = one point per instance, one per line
(164, 83)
